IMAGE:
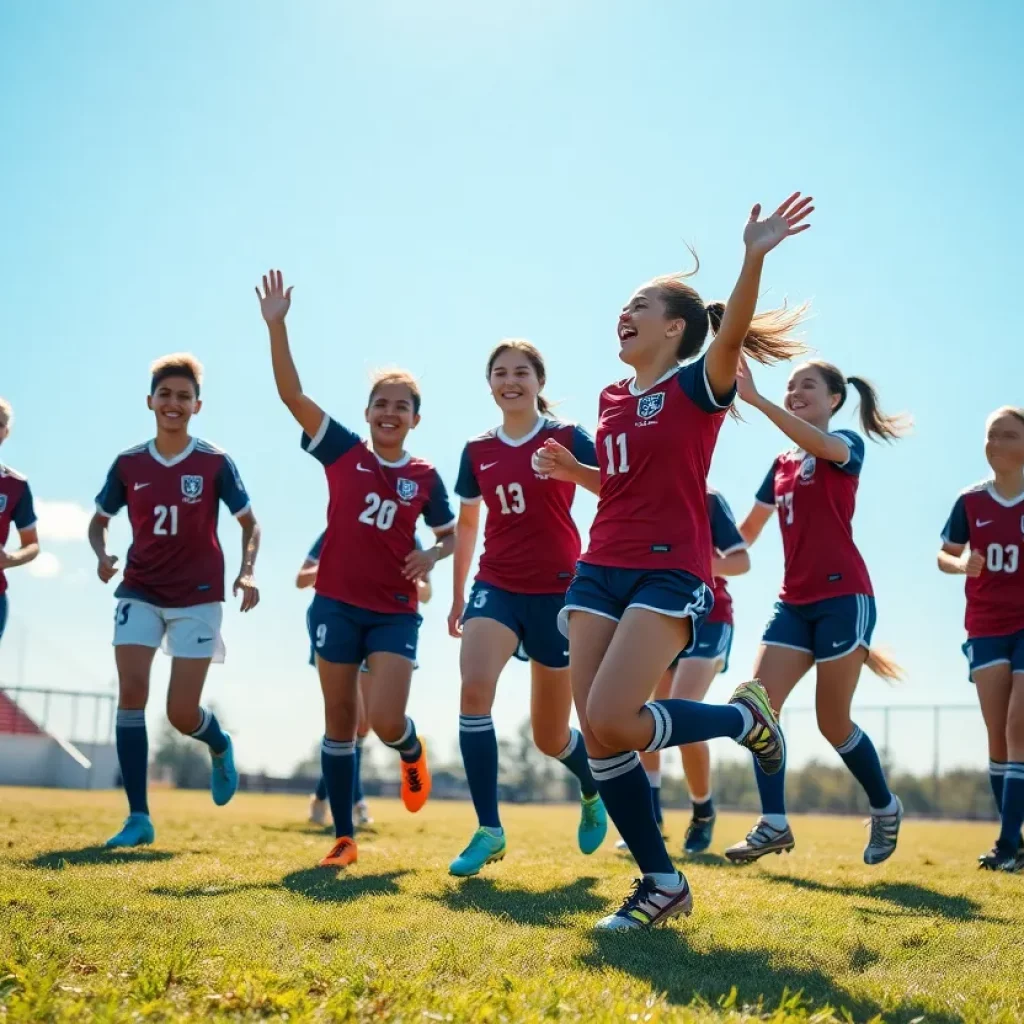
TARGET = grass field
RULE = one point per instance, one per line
(227, 919)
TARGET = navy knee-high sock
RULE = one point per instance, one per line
(337, 762)
(574, 757)
(1013, 807)
(862, 759)
(771, 789)
(209, 732)
(479, 746)
(996, 778)
(357, 781)
(677, 722)
(133, 757)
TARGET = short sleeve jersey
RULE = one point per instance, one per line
(372, 511)
(654, 451)
(531, 543)
(16, 508)
(725, 539)
(816, 500)
(175, 560)
(994, 527)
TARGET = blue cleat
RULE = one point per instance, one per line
(699, 834)
(483, 849)
(137, 830)
(593, 824)
(224, 777)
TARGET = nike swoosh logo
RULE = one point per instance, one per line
(842, 643)
(203, 639)
(362, 468)
(703, 645)
(410, 647)
(487, 465)
(138, 487)
(979, 523)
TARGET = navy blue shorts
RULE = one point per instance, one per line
(346, 635)
(608, 592)
(532, 617)
(714, 643)
(828, 629)
(983, 651)
(3, 614)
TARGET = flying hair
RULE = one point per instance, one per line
(884, 667)
(533, 357)
(396, 375)
(875, 423)
(177, 364)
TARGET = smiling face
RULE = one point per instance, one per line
(646, 332)
(174, 402)
(1004, 442)
(391, 414)
(808, 396)
(514, 381)
(5, 420)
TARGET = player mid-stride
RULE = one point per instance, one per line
(983, 540)
(172, 590)
(365, 605)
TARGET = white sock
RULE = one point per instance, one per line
(779, 822)
(890, 808)
(663, 880)
(748, 721)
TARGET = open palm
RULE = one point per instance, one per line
(275, 299)
(761, 236)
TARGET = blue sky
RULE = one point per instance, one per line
(435, 177)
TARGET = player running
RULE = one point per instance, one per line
(16, 509)
(983, 540)
(365, 606)
(172, 591)
(692, 673)
(318, 805)
(530, 547)
(825, 615)
(643, 588)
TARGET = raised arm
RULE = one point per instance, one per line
(759, 238)
(466, 530)
(275, 301)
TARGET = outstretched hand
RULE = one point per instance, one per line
(745, 386)
(761, 236)
(275, 299)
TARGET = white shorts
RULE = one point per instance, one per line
(192, 632)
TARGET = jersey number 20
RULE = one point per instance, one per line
(378, 513)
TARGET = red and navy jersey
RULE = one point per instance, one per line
(994, 527)
(313, 556)
(816, 500)
(531, 544)
(654, 450)
(372, 511)
(15, 508)
(725, 539)
(175, 560)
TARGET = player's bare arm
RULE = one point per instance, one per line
(554, 460)
(757, 518)
(419, 564)
(958, 560)
(736, 563)
(275, 301)
(466, 530)
(105, 564)
(246, 583)
(759, 238)
(29, 540)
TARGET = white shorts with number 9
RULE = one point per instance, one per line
(181, 632)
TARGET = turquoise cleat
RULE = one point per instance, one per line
(137, 830)
(224, 777)
(593, 824)
(483, 849)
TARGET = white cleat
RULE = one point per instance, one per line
(317, 811)
(361, 814)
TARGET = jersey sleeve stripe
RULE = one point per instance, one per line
(443, 531)
(100, 510)
(320, 434)
(764, 504)
(736, 547)
(711, 394)
(244, 511)
(469, 501)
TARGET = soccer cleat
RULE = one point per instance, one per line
(593, 824)
(361, 813)
(416, 781)
(885, 830)
(224, 775)
(699, 834)
(137, 830)
(648, 904)
(317, 811)
(484, 848)
(343, 853)
(764, 740)
(761, 840)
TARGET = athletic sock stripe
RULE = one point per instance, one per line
(404, 738)
(851, 741)
(1015, 770)
(476, 723)
(338, 748)
(607, 768)
(131, 719)
(994, 767)
(566, 751)
(662, 726)
(204, 721)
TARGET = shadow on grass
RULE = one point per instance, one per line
(321, 885)
(548, 907)
(307, 828)
(916, 899)
(662, 959)
(57, 860)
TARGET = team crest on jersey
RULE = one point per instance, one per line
(191, 488)
(407, 489)
(807, 468)
(3, 503)
(650, 405)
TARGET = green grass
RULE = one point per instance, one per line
(227, 918)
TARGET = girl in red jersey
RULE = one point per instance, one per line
(984, 540)
(530, 547)
(365, 606)
(644, 586)
(825, 615)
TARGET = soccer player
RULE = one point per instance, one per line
(983, 540)
(530, 547)
(643, 588)
(318, 806)
(825, 615)
(15, 508)
(172, 590)
(365, 606)
(691, 674)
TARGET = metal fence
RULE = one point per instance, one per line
(80, 716)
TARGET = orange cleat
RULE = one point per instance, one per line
(343, 853)
(416, 781)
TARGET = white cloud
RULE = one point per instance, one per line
(45, 566)
(62, 520)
